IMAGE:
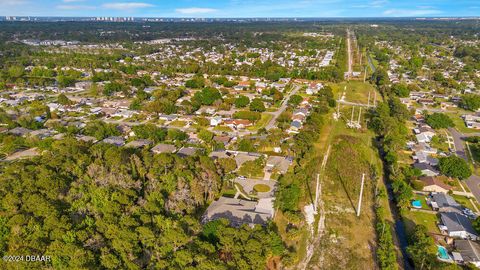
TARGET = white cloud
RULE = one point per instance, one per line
(195, 10)
(72, 1)
(74, 7)
(411, 12)
(126, 5)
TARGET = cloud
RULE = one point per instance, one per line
(410, 12)
(126, 5)
(195, 10)
(72, 1)
(74, 7)
(373, 4)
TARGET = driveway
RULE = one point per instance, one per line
(473, 181)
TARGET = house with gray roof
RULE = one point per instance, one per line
(469, 252)
(115, 140)
(457, 226)
(20, 131)
(444, 203)
(240, 212)
(141, 143)
(281, 164)
(188, 151)
(164, 148)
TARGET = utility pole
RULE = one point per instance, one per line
(360, 198)
(359, 116)
(315, 207)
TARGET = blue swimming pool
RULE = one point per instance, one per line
(443, 253)
(417, 204)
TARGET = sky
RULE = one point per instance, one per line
(241, 8)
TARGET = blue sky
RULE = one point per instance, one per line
(242, 8)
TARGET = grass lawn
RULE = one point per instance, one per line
(456, 116)
(464, 201)
(356, 91)
(178, 123)
(261, 188)
(222, 128)
(266, 117)
(412, 218)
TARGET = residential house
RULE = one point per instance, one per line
(188, 151)
(443, 202)
(240, 212)
(20, 131)
(434, 184)
(238, 123)
(281, 164)
(141, 143)
(457, 226)
(163, 148)
(215, 121)
(115, 140)
(426, 169)
(225, 140)
(243, 157)
(469, 252)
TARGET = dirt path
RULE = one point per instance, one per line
(316, 237)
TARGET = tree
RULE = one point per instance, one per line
(439, 120)
(454, 166)
(401, 90)
(257, 105)
(470, 102)
(207, 96)
(295, 100)
(205, 135)
(196, 82)
(63, 100)
(422, 249)
(100, 130)
(246, 145)
(247, 115)
(241, 101)
(476, 224)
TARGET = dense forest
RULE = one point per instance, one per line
(100, 206)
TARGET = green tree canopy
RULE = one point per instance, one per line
(454, 166)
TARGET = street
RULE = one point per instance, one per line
(283, 107)
(473, 181)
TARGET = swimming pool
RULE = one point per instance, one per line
(417, 204)
(443, 253)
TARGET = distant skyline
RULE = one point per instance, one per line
(241, 8)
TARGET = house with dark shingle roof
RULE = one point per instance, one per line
(164, 148)
(457, 226)
(469, 252)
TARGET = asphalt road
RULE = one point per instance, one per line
(473, 182)
(282, 108)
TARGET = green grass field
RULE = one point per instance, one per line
(429, 220)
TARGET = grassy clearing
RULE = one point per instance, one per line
(412, 218)
(261, 188)
(464, 201)
(222, 128)
(266, 117)
(349, 239)
(178, 123)
(356, 91)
